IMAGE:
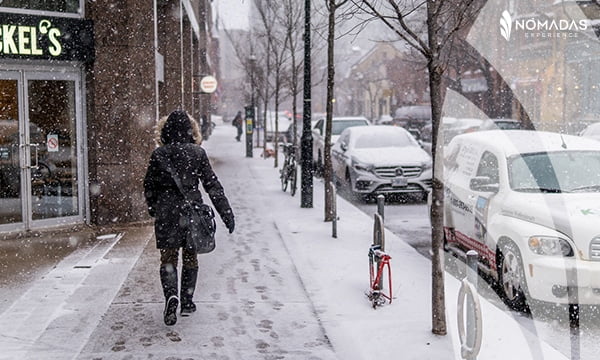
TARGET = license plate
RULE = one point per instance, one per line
(399, 181)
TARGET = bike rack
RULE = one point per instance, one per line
(470, 339)
(333, 210)
(378, 260)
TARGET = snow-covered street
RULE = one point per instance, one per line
(279, 287)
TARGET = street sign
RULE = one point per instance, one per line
(52, 143)
(208, 84)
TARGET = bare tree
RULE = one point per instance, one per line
(293, 23)
(332, 7)
(444, 18)
(272, 16)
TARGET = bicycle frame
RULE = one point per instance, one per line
(289, 170)
(378, 260)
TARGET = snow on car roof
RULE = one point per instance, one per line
(512, 142)
(347, 118)
(380, 129)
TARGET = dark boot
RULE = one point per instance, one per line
(168, 279)
(188, 285)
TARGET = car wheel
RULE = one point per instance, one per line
(353, 194)
(511, 276)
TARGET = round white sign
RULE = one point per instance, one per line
(208, 84)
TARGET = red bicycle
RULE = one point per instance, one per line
(378, 260)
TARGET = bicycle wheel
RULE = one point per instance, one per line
(284, 178)
(293, 179)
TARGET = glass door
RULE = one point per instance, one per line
(51, 116)
(40, 150)
(11, 157)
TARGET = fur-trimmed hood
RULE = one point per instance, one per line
(178, 127)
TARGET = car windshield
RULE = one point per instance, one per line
(592, 130)
(508, 125)
(338, 126)
(564, 171)
(379, 140)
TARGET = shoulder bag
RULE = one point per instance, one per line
(200, 220)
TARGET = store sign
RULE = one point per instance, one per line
(45, 38)
(208, 84)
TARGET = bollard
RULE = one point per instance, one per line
(334, 211)
(379, 238)
(380, 205)
(472, 259)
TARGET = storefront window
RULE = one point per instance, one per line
(67, 6)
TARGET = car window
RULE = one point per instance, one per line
(378, 140)
(592, 130)
(338, 126)
(509, 125)
(345, 138)
(319, 126)
(488, 166)
(563, 171)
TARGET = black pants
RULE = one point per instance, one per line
(239, 132)
(171, 257)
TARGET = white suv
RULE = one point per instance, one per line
(338, 125)
(529, 203)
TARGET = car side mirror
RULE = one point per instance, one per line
(343, 146)
(483, 184)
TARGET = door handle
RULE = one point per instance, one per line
(37, 165)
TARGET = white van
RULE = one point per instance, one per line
(529, 203)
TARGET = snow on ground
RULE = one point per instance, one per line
(279, 287)
(335, 275)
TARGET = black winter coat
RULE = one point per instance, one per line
(164, 199)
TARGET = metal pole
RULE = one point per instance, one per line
(250, 111)
(472, 259)
(334, 210)
(380, 206)
(306, 194)
(249, 124)
(574, 312)
(379, 239)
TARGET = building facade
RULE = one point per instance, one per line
(82, 84)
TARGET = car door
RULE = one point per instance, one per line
(487, 167)
(460, 168)
(338, 155)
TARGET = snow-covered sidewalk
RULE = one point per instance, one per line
(280, 287)
(335, 274)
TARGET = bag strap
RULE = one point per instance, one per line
(176, 178)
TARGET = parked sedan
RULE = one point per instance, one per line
(381, 160)
(338, 124)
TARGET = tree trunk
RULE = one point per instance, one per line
(327, 171)
(276, 161)
(438, 307)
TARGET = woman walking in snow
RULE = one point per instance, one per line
(179, 151)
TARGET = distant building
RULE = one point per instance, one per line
(381, 81)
